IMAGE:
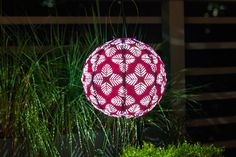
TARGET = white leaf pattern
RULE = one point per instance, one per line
(98, 79)
(135, 51)
(149, 79)
(131, 79)
(140, 70)
(88, 78)
(110, 109)
(159, 79)
(145, 101)
(134, 108)
(117, 59)
(140, 88)
(129, 100)
(106, 70)
(100, 60)
(101, 100)
(122, 46)
(94, 58)
(153, 67)
(115, 79)
(146, 58)
(155, 99)
(129, 59)
(154, 59)
(117, 101)
(110, 51)
(106, 88)
(153, 91)
(141, 45)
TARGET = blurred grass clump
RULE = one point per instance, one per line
(183, 149)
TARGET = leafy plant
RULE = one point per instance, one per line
(184, 149)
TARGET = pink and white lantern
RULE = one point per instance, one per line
(124, 78)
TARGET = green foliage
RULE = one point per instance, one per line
(180, 150)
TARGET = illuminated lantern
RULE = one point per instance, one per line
(124, 78)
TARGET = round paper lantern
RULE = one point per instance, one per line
(124, 78)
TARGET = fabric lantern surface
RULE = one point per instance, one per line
(124, 78)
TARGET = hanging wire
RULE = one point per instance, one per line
(109, 17)
(124, 22)
(124, 28)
